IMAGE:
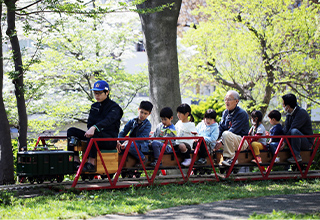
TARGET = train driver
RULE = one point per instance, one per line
(103, 122)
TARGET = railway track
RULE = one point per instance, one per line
(31, 190)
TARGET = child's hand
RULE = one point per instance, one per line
(194, 132)
(218, 145)
(282, 146)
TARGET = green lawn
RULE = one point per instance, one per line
(139, 200)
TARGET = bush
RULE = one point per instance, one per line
(215, 102)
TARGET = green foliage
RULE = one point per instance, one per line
(86, 204)
(215, 102)
(70, 53)
(285, 215)
(261, 49)
(6, 198)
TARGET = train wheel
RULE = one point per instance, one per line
(222, 170)
(31, 180)
(60, 178)
(83, 177)
(130, 174)
(123, 174)
(91, 177)
(236, 170)
(294, 167)
(208, 171)
(195, 171)
(137, 174)
(22, 179)
(202, 172)
(40, 180)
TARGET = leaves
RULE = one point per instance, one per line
(259, 48)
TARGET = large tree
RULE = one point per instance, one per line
(6, 156)
(260, 48)
(160, 32)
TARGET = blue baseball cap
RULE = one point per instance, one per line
(100, 86)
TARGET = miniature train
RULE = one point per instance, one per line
(39, 166)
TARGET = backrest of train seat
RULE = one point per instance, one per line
(81, 146)
(110, 158)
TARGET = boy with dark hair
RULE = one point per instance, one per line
(274, 119)
(209, 129)
(138, 127)
(164, 129)
(298, 122)
(103, 122)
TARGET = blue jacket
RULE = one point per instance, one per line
(210, 133)
(144, 131)
(236, 121)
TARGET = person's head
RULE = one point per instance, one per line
(256, 117)
(231, 99)
(210, 117)
(166, 115)
(101, 90)
(144, 109)
(274, 117)
(183, 112)
(289, 102)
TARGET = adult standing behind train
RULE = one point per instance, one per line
(298, 122)
(232, 127)
(103, 122)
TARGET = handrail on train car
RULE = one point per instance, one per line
(265, 173)
(93, 141)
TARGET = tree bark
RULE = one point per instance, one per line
(6, 156)
(160, 33)
(18, 79)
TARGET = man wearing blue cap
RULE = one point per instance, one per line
(103, 122)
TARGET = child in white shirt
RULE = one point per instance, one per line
(184, 128)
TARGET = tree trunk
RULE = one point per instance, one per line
(18, 79)
(160, 32)
(6, 157)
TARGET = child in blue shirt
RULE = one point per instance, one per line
(164, 129)
(274, 119)
(138, 127)
(209, 129)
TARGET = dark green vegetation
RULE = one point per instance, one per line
(139, 200)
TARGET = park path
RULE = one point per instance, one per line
(232, 209)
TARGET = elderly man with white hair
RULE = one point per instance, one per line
(232, 127)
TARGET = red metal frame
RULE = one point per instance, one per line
(265, 172)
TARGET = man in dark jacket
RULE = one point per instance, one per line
(232, 127)
(298, 122)
(103, 122)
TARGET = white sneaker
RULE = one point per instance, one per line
(229, 162)
(277, 160)
(186, 162)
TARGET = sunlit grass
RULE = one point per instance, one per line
(140, 200)
(285, 215)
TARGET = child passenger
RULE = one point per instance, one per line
(274, 119)
(209, 130)
(256, 130)
(138, 127)
(184, 129)
(164, 129)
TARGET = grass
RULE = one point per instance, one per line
(285, 215)
(87, 204)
